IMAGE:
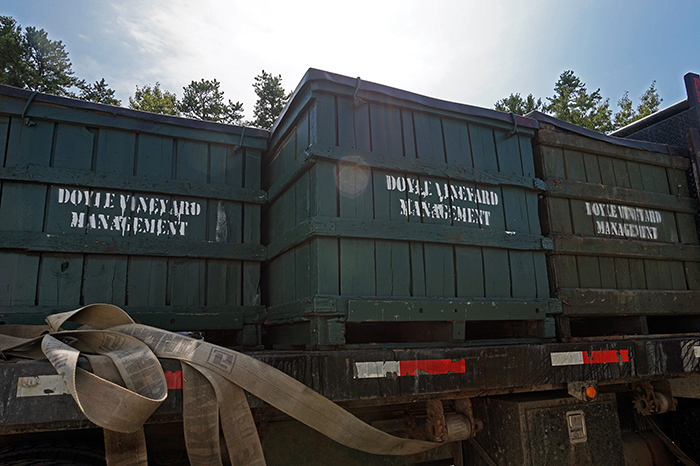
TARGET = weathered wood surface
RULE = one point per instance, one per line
(613, 302)
(112, 208)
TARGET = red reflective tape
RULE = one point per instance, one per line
(599, 357)
(624, 355)
(174, 380)
(432, 366)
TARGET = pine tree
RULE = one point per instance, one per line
(203, 100)
(516, 104)
(271, 100)
(98, 92)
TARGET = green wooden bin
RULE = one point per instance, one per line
(621, 216)
(398, 218)
(159, 215)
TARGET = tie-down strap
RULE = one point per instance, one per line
(128, 385)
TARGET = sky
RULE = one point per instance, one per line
(473, 52)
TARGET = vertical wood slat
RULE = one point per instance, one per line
(61, 279)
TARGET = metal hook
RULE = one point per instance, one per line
(356, 101)
(28, 121)
(514, 131)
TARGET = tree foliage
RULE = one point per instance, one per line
(13, 64)
(98, 92)
(203, 100)
(271, 99)
(572, 102)
(516, 104)
(155, 100)
(48, 64)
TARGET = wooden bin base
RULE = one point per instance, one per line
(333, 321)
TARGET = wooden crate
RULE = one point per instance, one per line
(396, 218)
(157, 214)
(621, 216)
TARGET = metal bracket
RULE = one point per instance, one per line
(514, 131)
(578, 389)
(28, 121)
(240, 143)
(356, 101)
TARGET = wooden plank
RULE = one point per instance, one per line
(573, 163)
(363, 133)
(302, 131)
(29, 144)
(325, 268)
(658, 275)
(417, 269)
(428, 133)
(457, 147)
(593, 146)
(303, 201)
(582, 223)
(527, 158)
(551, 161)
(541, 276)
(612, 194)
(677, 275)
(125, 119)
(692, 275)
(564, 270)
(346, 122)
(60, 278)
(105, 181)
(104, 280)
(532, 206)
(377, 229)
(622, 273)
(22, 207)
(607, 171)
(323, 193)
(140, 245)
(73, 147)
(654, 179)
(322, 118)
(115, 152)
(678, 182)
(469, 271)
(522, 272)
(273, 283)
(147, 281)
(439, 270)
(355, 189)
(302, 268)
(187, 282)
(154, 157)
(558, 220)
(444, 310)
(497, 282)
(251, 284)
(588, 272)
(357, 267)
(635, 176)
(638, 277)
(413, 166)
(622, 177)
(610, 247)
(287, 154)
(4, 134)
(386, 130)
(590, 163)
(515, 209)
(288, 284)
(224, 283)
(393, 268)
(409, 137)
(19, 277)
(633, 302)
(508, 153)
(483, 148)
(687, 231)
(607, 272)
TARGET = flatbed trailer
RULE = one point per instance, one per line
(595, 373)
